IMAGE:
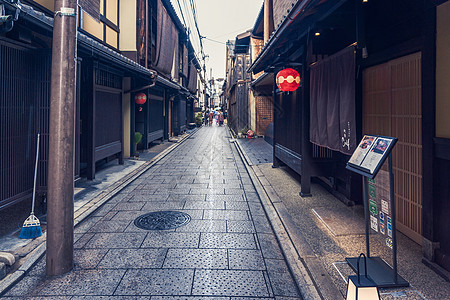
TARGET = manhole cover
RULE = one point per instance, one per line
(162, 220)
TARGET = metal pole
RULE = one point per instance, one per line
(366, 215)
(61, 145)
(393, 219)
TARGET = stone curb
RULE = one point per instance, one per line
(86, 210)
(299, 270)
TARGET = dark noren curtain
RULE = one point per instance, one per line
(192, 87)
(167, 41)
(332, 107)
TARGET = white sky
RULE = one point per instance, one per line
(219, 20)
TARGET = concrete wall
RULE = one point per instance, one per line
(443, 71)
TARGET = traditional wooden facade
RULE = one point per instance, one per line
(238, 82)
(375, 67)
(109, 74)
(163, 45)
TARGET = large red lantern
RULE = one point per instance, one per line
(140, 98)
(288, 80)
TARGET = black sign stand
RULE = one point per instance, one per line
(381, 273)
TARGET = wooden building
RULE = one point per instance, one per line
(113, 65)
(368, 67)
(237, 82)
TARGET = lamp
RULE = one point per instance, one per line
(362, 288)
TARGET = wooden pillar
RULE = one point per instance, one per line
(60, 212)
(268, 19)
(306, 144)
(430, 206)
(90, 94)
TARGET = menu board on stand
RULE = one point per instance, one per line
(379, 205)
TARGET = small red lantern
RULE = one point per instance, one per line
(140, 98)
(288, 80)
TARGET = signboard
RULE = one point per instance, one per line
(379, 199)
(379, 206)
(370, 154)
(91, 7)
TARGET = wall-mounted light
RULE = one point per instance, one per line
(365, 1)
(317, 33)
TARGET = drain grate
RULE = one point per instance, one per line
(162, 220)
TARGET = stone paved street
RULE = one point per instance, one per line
(227, 251)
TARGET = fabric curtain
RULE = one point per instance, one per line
(185, 61)
(192, 87)
(167, 39)
(332, 85)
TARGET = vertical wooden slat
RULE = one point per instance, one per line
(392, 106)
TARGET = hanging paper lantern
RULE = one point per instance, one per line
(288, 80)
(140, 98)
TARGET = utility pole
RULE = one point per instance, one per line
(61, 145)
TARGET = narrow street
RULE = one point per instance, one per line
(227, 249)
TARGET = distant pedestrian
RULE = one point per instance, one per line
(210, 118)
(205, 117)
(220, 118)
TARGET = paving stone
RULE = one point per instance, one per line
(192, 186)
(110, 226)
(133, 258)
(234, 205)
(144, 198)
(204, 226)
(129, 206)
(204, 205)
(261, 224)
(146, 282)
(187, 198)
(216, 214)
(229, 283)
(128, 215)
(88, 258)
(234, 191)
(256, 208)
(39, 268)
(227, 240)
(28, 286)
(276, 266)
(197, 258)
(246, 259)
(188, 298)
(84, 282)
(240, 226)
(116, 240)
(105, 298)
(162, 205)
(164, 239)
(87, 224)
(83, 240)
(104, 210)
(229, 198)
(252, 197)
(283, 285)
(207, 191)
(269, 246)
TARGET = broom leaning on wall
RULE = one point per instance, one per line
(32, 227)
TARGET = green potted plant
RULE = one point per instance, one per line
(137, 140)
(198, 119)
